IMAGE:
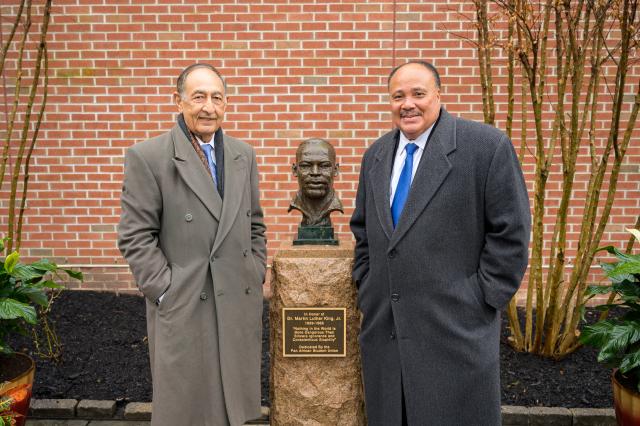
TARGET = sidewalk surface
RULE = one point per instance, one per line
(75, 422)
(71, 412)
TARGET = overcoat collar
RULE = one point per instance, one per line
(199, 181)
(432, 171)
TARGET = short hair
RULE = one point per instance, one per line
(427, 65)
(330, 148)
(188, 70)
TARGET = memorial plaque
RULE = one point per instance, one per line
(314, 332)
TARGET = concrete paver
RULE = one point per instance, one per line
(77, 422)
(68, 422)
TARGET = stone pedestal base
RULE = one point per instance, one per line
(315, 391)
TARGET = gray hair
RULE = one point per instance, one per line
(185, 73)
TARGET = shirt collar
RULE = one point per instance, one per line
(421, 140)
(211, 142)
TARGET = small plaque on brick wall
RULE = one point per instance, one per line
(314, 332)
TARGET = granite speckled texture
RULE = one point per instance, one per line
(315, 391)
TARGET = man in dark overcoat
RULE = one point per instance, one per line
(193, 234)
(442, 226)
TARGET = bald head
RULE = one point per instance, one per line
(316, 144)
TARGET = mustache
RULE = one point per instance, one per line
(412, 112)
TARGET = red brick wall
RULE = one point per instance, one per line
(296, 69)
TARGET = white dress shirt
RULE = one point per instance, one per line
(213, 146)
(401, 155)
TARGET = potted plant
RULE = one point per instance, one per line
(25, 289)
(618, 339)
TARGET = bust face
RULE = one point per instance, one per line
(315, 168)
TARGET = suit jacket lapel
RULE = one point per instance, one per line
(235, 179)
(194, 174)
(432, 171)
(380, 178)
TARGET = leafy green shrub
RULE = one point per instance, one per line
(619, 339)
(23, 287)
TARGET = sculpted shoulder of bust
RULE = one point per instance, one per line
(315, 168)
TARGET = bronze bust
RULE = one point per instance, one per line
(315, 168)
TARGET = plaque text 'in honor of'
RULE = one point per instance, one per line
(313, 332)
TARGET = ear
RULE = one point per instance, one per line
(336, 169)
(294, 168)
(177, 100)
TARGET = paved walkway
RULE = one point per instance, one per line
(76, 422)
(64, 412)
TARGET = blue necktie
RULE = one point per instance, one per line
(404, 183)
(208, 151)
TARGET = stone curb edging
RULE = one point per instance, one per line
(141, 411)
(86, 409)
(557, 416)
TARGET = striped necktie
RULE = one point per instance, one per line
(208, 151)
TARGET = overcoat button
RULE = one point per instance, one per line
(392, 254)
(395, 297)
(248, 212)
(245, 252)
(392, 336)
(203, 296)
(188, 217)
(248, 290)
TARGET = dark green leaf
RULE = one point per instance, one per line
(12, 309)
(629, 362)
(626, 268)
(35, 294)
(627, 288)
(608, 267)
(598, 289)
(26, 272)
(596, 335)
(44, 265)
(620, 336)
(50, 284)
(74, 274)
(612, 250)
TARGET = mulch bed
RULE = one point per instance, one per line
(106, 358)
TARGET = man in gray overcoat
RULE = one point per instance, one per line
(442, 227)
(193, 234)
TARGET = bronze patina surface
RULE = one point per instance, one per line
(315, 168)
